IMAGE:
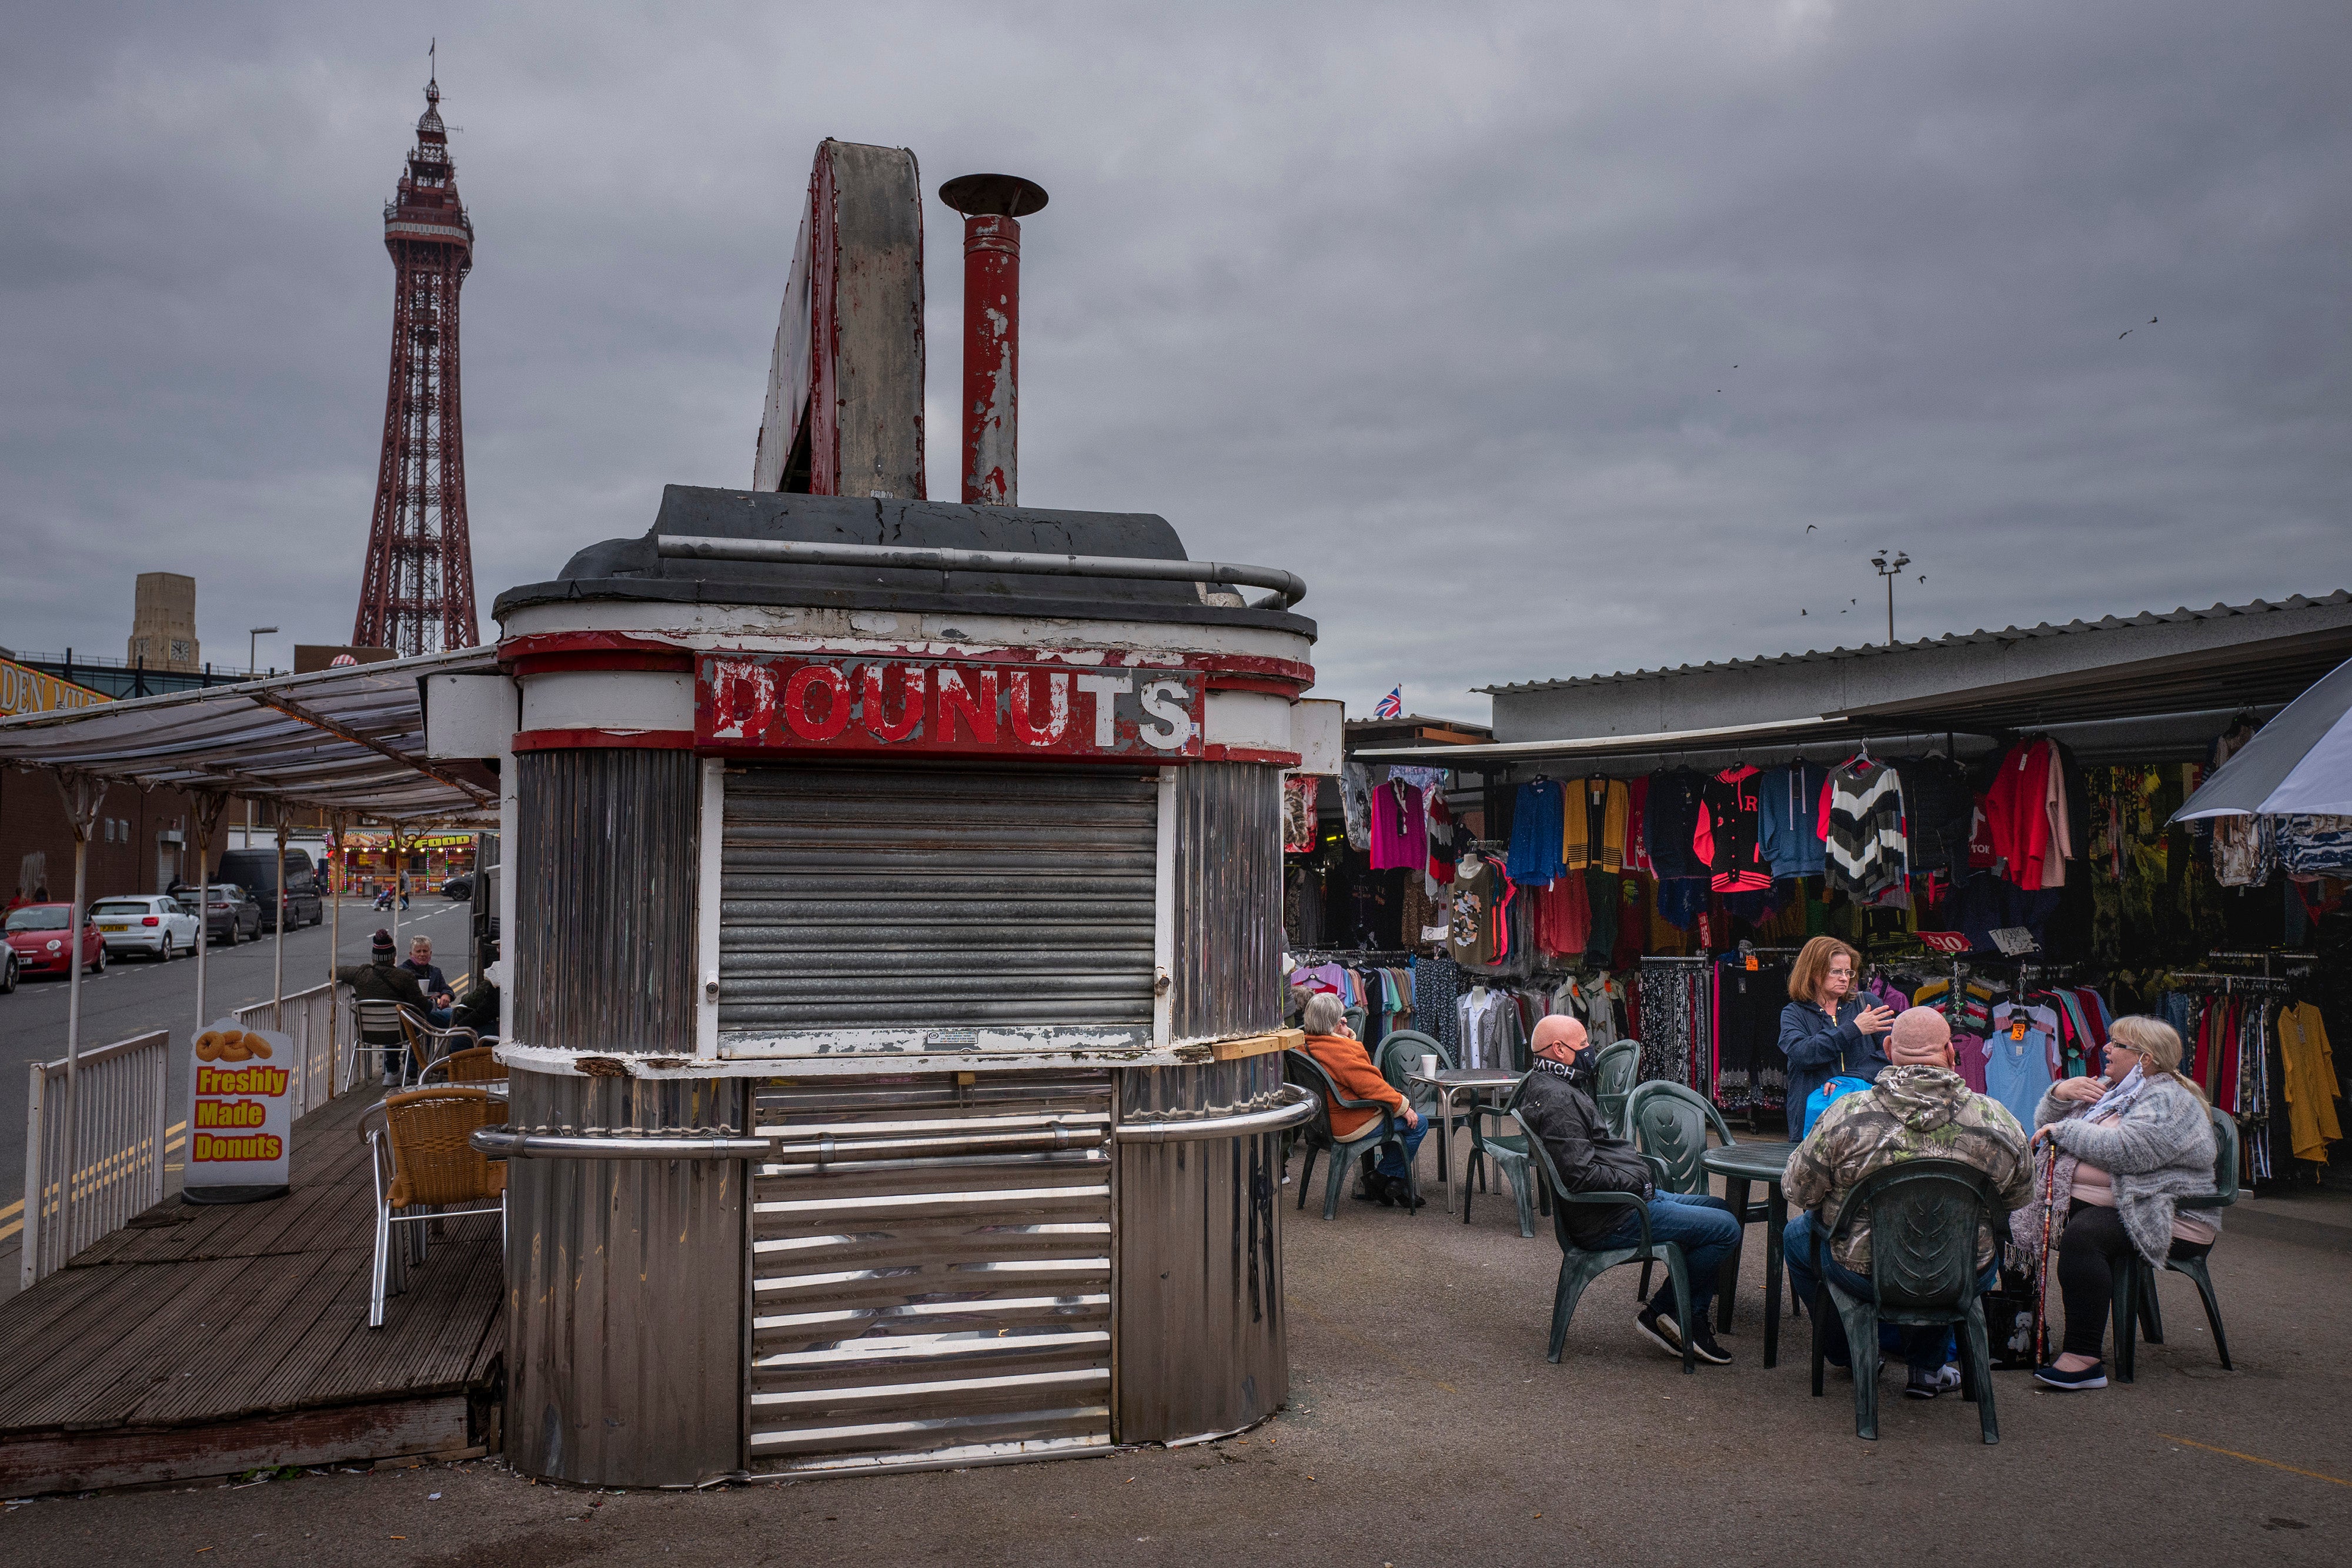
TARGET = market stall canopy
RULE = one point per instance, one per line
(1780, 732)
(348, 740)
(2298, 764)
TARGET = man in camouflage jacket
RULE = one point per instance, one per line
(1918, 1109)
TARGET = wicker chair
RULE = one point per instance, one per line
(473, 1064)
(426, 1170)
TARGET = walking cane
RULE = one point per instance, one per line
(2042, 1268)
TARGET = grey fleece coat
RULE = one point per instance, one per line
(2158, 1152)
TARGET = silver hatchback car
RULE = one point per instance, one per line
(155, 924)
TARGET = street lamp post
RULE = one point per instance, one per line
(1890, 570)
(253, 636)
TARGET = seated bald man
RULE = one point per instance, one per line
(1557, 1106)
(1918, 1109)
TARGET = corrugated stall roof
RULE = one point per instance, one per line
(1950, 640)
(350, 739)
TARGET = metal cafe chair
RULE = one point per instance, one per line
(424, 1170)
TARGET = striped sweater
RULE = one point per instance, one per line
(1862, 831)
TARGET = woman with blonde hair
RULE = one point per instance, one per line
(2129, 1147)
(1826, 1031)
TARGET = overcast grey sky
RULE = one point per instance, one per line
(1438, 306)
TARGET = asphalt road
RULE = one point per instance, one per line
(137, 995)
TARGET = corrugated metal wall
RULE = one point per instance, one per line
(913, 898)
(624, 1289)
(1201, 1345)
(604, 899)
(911, 1307)
(1228, 974)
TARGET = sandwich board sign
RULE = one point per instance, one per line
(240, 1116)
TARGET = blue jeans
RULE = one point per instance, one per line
(1390, 1165)
(1702, 1225)
(1923, 1348)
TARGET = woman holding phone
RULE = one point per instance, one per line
(1826, 1031)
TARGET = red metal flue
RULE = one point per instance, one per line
(992, 205)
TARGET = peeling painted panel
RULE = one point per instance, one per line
(1228, 956)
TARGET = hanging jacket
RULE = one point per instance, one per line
(1725, 839)
(1671, 820)
(1534, 856)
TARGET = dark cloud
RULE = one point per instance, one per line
(1433, 307)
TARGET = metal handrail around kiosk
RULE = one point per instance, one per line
(502, 1143)
(1289, 587)
(1293, 1104)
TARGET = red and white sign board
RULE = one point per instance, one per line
(851, 703)
(240, 1108)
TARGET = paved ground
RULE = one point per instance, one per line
(137, 995)
(1426, 1427)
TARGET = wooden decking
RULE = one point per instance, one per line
(206, 1340)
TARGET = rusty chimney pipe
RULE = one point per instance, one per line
(991, 204)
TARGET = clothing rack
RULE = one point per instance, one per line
(2232, 983)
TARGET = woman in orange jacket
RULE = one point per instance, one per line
(1337, 1051)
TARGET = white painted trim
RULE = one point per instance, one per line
(710, 826)
(1164, 916)
(505, 974)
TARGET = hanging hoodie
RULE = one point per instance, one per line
(1725, 839)
(1787, 831)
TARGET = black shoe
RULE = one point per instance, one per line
(1923, 1383)
(1702, 1345)
(2092, 1377)
(1660, 1330)
(1403, 1196)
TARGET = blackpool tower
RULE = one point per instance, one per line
(417, 596)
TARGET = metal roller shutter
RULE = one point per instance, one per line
(931, 1273)
(879, 901)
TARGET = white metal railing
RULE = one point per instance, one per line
(325, 1042)
(118, 1114)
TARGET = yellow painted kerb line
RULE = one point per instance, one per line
(2254, 1460)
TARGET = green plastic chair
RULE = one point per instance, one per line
(2135, 1297)
(1509, 1152)
(1669, 1124)
(1303, 1070)
(1620, 1060)
(1578, 1268)
(1924, 1219)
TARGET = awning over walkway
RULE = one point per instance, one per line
(348, 740)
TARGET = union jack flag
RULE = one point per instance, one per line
(1390, 706)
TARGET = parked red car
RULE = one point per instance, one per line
(36, 934)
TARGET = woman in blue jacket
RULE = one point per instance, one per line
(1826, 1032)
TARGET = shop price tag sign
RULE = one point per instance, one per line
(1946, 942)
(2014, 940)
(240, 1114)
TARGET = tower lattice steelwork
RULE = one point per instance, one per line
(417, 595)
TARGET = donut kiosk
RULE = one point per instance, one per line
(892, 925)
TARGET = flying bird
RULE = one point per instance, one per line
(1810, 526)
(1923, 576)
(2151, 321)
(1854, 601)
(2124, 333)
(1804, 612)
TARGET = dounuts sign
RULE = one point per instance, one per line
(945, 708)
